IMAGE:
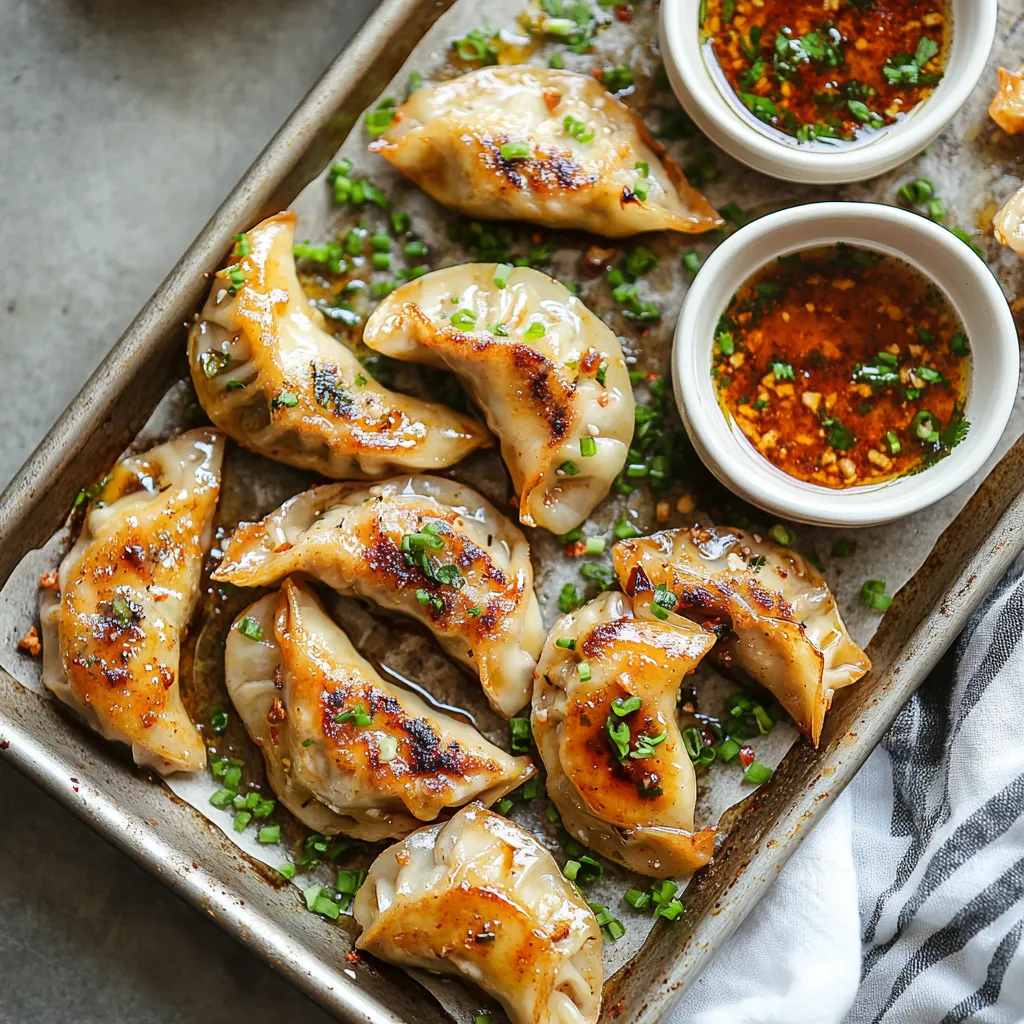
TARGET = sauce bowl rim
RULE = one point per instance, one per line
(974, 30)
(950, 264)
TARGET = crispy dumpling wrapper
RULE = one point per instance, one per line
(481, 898)
(786, 630)
(633, 809)
(1008, 223)
(584, 159)
(268, 374)
(548, 374)
(292, 673)
(127, 590)
(424, 546)
(1007, 107)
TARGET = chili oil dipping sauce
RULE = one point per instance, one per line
(843, 367)
(826, 73)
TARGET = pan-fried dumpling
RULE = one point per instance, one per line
(786, 631)
(481, 898)
(547, 373)
(1007, 107)
(388, 765)
(606, 725)
(127, 591)
(552, 147)
(267, 373)
(1009, 223)
(421, 545)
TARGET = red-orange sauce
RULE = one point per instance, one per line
(828, 71)
(843, 367)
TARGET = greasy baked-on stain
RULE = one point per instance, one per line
(127, 590)
(549, 376)
(351, 753)
(785, 630)
(268, 373)
(536, 144)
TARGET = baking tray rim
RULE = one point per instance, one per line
(41, 481)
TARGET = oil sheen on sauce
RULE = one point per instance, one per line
(827, 72)
(843, 367)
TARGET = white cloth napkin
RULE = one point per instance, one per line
(906, 903)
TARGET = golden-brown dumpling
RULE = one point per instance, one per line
(587, 161)
(268, 374)
(424, 546)
(292, 672)
(630, 800)
(480, 897)
(127, 591)
(1007, 107)
(1008, 223)
(547, 373)
(786, 630)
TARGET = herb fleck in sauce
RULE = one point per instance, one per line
(828, 71)
(843, 367)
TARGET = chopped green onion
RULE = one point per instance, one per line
(287, 871)
(623, 706)
(568, 468)
(569, 598)
(583, 670)
(219, 720)
(534, 332)
(624, 529)
(637, 899)
(387, 749)
(380, 261)
(782, 535)
(664, 602)
(250, 628)
(515, 151)
(400, 221)
(269, 834)
(894, 442)
(873, 595)
(349, 882)
(242, 818)
(358, 714)
(222, 798)
(757, 773)
(520, 736)
(594, 546)
(728, 749)
(501, 273)
(588, 446)
(567, 643)
(577, 129)
(691, 260)
(463, 319)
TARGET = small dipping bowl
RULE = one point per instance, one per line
(714, 108)
(934, 252)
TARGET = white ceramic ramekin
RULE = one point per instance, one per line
(716, 112)
(934, 251)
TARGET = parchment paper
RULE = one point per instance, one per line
(973, 167)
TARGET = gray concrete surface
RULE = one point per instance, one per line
(122, 126)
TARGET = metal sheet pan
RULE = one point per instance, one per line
(176, 843)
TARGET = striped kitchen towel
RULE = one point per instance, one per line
(906, 904)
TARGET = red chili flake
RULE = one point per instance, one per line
(30, 643)
(624, 13)
(48, 581)
(4, 744)
(590, 361)
(746, 756)
(575, 549)
(352, 957)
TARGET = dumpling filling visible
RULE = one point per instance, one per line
(345, 751)
(427, 547)
(534, 144)
(268, 374)
(481, 898)
(547, 373)
(786, 632)
(606, 725)
(127, 591)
